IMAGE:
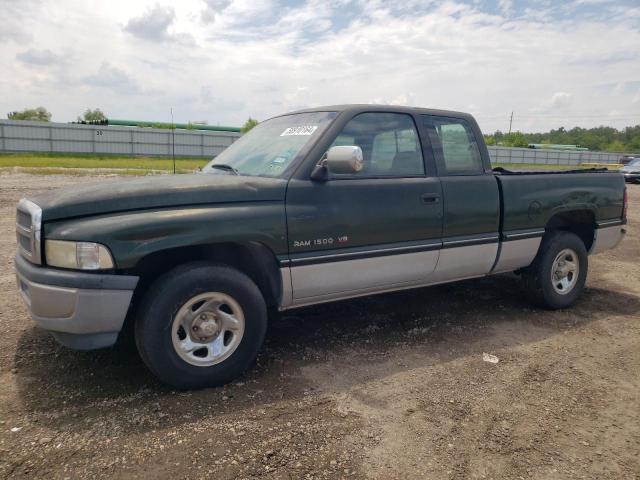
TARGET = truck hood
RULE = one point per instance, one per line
(157, 192)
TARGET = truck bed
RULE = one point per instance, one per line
(529, 200)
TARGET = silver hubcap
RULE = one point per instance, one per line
(565, 271)
(207, 329)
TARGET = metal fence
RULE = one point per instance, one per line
(549, 157)
(26, 136)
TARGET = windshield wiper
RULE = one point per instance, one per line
(223, 166)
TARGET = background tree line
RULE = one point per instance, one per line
(603, 139)
(41, 114)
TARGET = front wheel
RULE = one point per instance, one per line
(201, 325)
(557, 275)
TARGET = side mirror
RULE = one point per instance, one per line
(345, 159)
(340, 160)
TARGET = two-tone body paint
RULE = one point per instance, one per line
(343, 237)
(473, 223)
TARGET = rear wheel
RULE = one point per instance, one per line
(557, 275)
(201, 325)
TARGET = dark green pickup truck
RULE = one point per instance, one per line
(309, 207)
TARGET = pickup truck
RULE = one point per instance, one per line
(313, 206)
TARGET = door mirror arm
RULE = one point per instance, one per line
(320, 172)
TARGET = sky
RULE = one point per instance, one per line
(552, 63)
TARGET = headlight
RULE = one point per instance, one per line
(79, 255)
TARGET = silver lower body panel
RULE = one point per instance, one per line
(327, 282)
(515, 254)
(464, 262)
(607, 238)
(334, 279)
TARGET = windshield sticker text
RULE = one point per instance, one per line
(301, 130)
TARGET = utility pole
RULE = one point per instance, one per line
(173, 142)
(510, 122)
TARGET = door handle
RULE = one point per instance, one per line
(430, 198)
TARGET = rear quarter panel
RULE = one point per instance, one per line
(531, 200)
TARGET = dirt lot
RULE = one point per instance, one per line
(384, 387)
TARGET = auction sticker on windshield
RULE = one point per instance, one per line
(301, 130)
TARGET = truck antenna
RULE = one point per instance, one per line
(173, 142)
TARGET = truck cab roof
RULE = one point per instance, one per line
(364, 107)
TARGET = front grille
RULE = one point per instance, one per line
(23, 219)
(28, 225)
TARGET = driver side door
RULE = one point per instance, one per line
(371, 231)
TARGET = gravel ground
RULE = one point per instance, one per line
(392, 386)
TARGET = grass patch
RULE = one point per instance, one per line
(83, 172)
(57, 161)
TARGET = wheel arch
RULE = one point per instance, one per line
(254, 259)
(581, 222)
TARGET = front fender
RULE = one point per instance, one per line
(131, 236)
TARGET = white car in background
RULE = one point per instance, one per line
(631, 171)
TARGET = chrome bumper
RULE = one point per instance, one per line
(81, 310)
(607, 238)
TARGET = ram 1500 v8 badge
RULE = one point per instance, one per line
(313, 206)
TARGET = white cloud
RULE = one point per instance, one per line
(561, 100)
(112, 78)
(226, 60)
(591, 2)
(153, 24)
(213, 9)
(505, 6)
(39, 57)
(16, 20)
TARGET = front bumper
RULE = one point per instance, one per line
(81, 310)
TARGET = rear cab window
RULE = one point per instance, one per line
(454, 144)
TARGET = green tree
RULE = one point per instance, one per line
(248, 125)
(515, 139)
(92, 115)
(39, 114)
(489, 140)
(634, 144)
(596, 139)
(615, 146)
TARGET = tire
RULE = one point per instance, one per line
(218, 294)
(552, 292)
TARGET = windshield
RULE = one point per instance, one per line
(634, 163)
(270, 147)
